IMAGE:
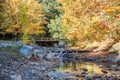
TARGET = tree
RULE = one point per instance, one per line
(91, 20)
(31, 19)
(3, 7)
(55, 28)
(23, 17)
(51, 9)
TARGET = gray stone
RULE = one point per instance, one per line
(26, 50)
(118, 62)
(10, 44)
(55, 74)
(43, 68)
(29, 50)
(19, 43)
(18, 77)
(61, 44)
(12, 77)
(50, 56)
(6, 45)
(36, 47)
(87, 77)
(113, 66)
(39, 53)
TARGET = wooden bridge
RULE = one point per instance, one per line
(47, 41)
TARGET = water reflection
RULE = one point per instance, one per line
(77, 66)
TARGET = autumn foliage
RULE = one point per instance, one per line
(79, 21)
(91, 20)
(23, 17)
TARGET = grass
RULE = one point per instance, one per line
(15, 50)
(5, 41)
(11, 51)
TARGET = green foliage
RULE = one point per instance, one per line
(55, 28)
(51, 9)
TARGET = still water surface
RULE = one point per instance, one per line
(77, 66)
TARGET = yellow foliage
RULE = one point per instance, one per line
(24, 17)
(33, 29)
(91, 20)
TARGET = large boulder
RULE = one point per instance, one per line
(28, 51)
(32, 52)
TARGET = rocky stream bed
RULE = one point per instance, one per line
(21, 68)
(54, 63)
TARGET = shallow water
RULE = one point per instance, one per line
(77, 66)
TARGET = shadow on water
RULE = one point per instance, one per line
(77, 67)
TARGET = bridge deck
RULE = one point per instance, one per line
(47, 41)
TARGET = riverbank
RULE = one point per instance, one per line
(14, 66)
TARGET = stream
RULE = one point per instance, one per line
(78, 66)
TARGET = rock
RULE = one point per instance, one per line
(28, 51)
(105, 45)
(111, 59)
(50, 56)
(118, 62)
(6, 45)
(97, 77)
(18, 77)
(94, 45)
(104, 71)
(39, 53)
(113, 66)
(56, 75)
(36, 47)
(85, 69)
(116, 46)
(12, 77)
(10, 44)
(87, 77)
(96, 58)
(83, 74)
(61, 44)
(5, 77)
(71, 79)
(43, 68)
(19, 43)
